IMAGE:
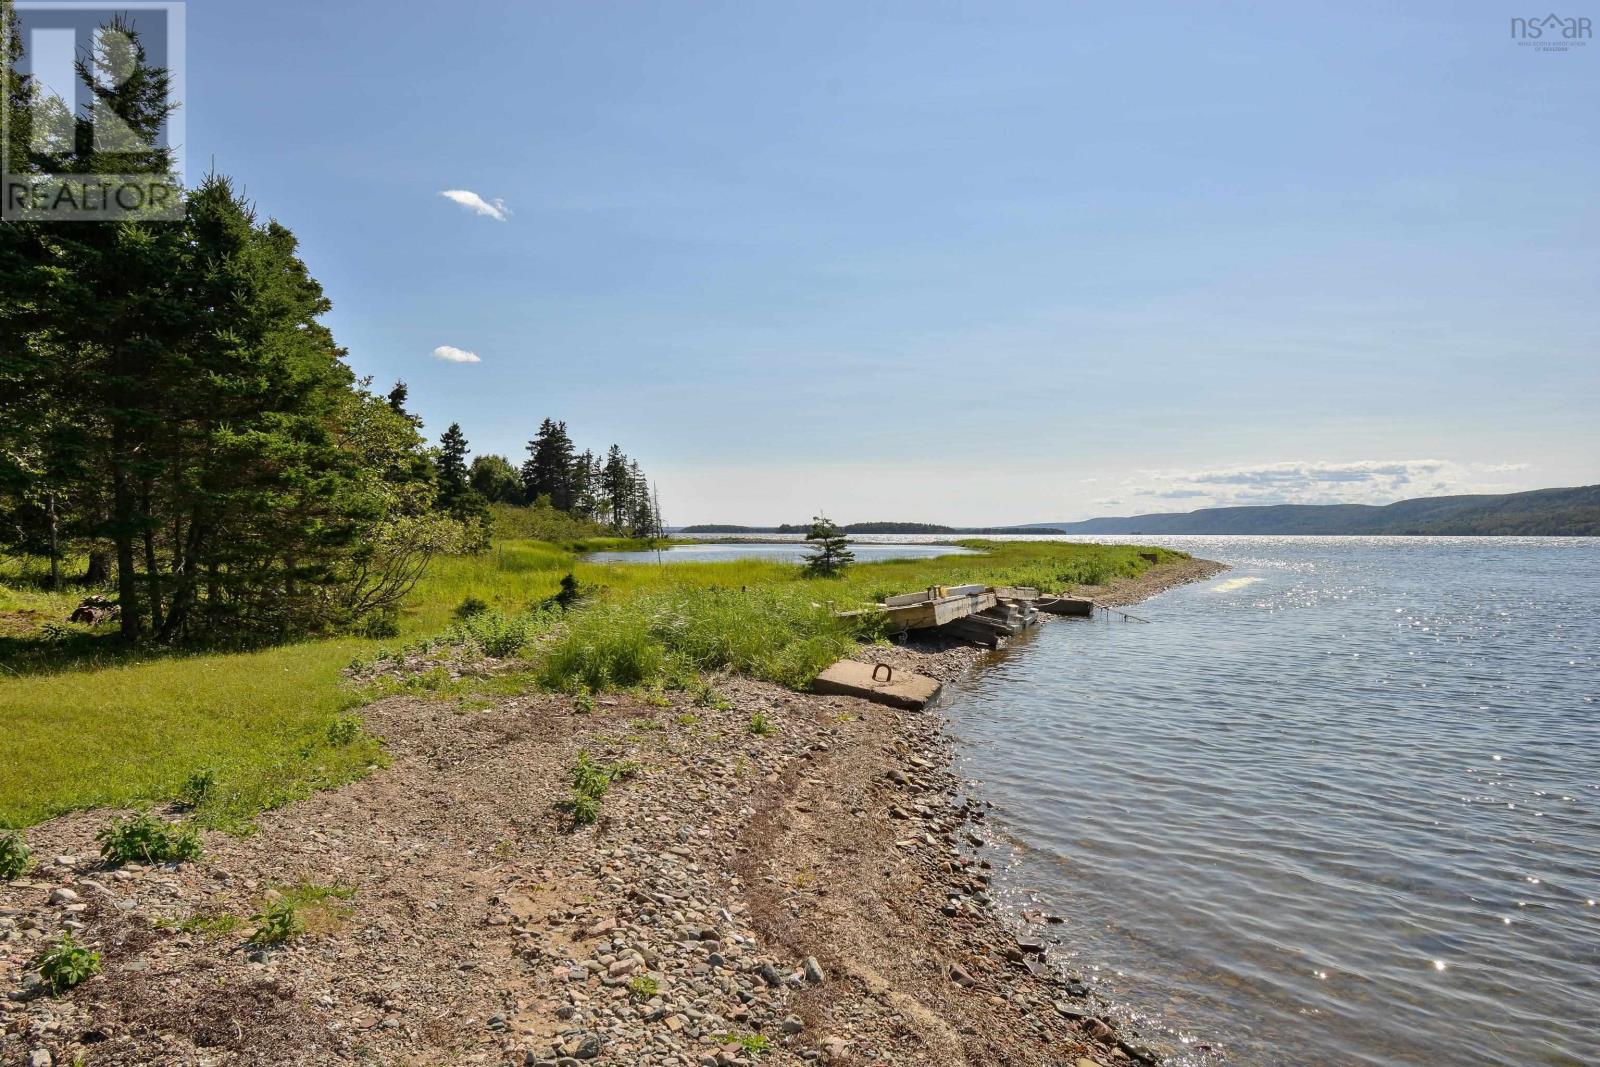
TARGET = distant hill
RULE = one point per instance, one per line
(1542, 512)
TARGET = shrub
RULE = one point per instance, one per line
(644, 987)
(14, 856)
(381, 625)
(583, 808)
(276, 923)
(760, 724)
(143, 838)
(67, 963)
(469, 607)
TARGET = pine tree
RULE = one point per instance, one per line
(830, 552)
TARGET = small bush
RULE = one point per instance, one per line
(381, 625)
(67, 963)
(143, 838)
(343, 730)
(760, 725)
(14, 856)
(469, 607)
(197, 787)
(583, 808)
(276, 923)
(583, 702)
(644, 987)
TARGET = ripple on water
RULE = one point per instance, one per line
(1342, 806)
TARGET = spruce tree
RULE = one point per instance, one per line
(830, 549)
(615, 486)
(452, 466)
(548, 471)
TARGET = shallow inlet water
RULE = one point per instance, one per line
(1340, 805)
(792, 551)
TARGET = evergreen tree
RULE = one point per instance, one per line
(90, 314)
(830, 550)
(585, 485)
(641, 516)
(548, 471)
(452, 466)
(615, 488)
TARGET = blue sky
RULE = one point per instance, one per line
(971, 263)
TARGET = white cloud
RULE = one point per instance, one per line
(452, 354)
(495, 209)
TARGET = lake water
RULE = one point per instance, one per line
(792, 551)
(1338, 806)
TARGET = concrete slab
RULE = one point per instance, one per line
(881, 684)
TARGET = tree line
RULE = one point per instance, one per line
(610, 490)
(175, 413)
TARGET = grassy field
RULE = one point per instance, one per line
(262, 728)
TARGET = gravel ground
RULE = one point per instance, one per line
(811, 895)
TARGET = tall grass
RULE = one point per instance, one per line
(89, 734)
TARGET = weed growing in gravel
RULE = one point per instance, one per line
(706, 696)
(276, 923)
(590, 781)
(760, 724)
(66, 963)
(143, 838)
(14, 856)
(321, 909)
(583, 702)
(687, 720)
(208, 924)
(643, 987)
(754, 1044)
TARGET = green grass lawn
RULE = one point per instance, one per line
(123, 729)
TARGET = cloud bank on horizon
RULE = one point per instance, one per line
(452, 354)
(1310, 482)
(494, 209)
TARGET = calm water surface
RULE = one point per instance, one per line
(1340, 805)
(791, 552)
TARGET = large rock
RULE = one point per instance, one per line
(879, 683)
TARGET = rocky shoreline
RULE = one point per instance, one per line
(773, 878)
